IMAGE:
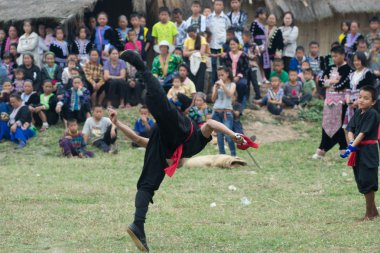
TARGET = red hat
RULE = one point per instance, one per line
(247, 144)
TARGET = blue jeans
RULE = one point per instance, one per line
(242, 91)
(227, 120)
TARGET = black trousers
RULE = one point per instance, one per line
(133, 95)
(286, 60)
(199, 78)
(105, 143)
(116, 89)
(214, 64)
(252, 78)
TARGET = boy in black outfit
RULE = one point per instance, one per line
(173, 138)
(363, 149)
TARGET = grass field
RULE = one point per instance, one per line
(52, 204)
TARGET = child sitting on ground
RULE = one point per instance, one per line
(18, 83)
(66, 74)
(100, 132)
(309, 88)
(273, 99)
(292, 90)
(363, 149)
(304, 65)
(72, 143)
(144, 123)
(76, 102)
(200, 112)
(177, 88)
(44, 113)
(29, 96)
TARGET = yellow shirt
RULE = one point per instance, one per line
(166, 32)
(189, 87)
(189, 44)
(341, 37)
(173, 92)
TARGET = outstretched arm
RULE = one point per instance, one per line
(141, 141)
(212, 125)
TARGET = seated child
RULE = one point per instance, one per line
(296, 61)
(309, 89)
(273, 99)
(72, 143)
(363, 149)
(5, 111)
(200, 112)
(177, 88)
(66, 74)
(100, 132)
(143, 124)
(44, 113)
(29, 97)
(19, 80)
(292, 90)
(304, 65)
(237, 111)
(76, 102)
(278, 70)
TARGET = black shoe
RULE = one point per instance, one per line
(134, 59)
(138, 237)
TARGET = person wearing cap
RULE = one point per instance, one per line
(173, 138)
(166, 63)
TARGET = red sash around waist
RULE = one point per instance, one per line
(352, 158)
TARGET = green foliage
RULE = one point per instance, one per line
(312, 111)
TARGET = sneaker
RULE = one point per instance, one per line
(20, 145)
(138, 237)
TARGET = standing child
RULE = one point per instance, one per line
(100, 131)
(196, 19)
(133, 43)
(181, 27)
(142, 32)
(59, 47)
(18, 83)
(164, 29)
(9, 64)
(72, 142)
(82, 45)
(249, 49)
(200, 112)
(309, 88)
(44, 113)
(363, 149)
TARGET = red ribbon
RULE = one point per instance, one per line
(248, 143)
(352, 158)
(176, 157)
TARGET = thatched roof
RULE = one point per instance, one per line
(311, 10)
(304, 10)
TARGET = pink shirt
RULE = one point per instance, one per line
(131, 46)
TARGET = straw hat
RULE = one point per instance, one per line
(163, 43)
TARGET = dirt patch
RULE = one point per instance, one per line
(269, 128)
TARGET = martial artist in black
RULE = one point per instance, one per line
(173, 137)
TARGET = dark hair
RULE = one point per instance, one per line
(134, 15)
(85, 29)
(292, 15)
(374, 19)
(376, 39)
(131, 31)
(15, 96)
(230, 30)
(98, 106)
(183, 65)
(8, 55)
(218, 1)
(176, 77)
(13, 45)
(261, 10)
(197, 44)
(58, 28)
(314, 43)
(228, 71)
(72, 121)
(19, 70)
(306, 62)
(29, 21)
(278, 60)
(143, 107)
(93, 50)
(30, 55)
(356, 22)
(163, 9)
(362, 58)
(46, 81)
(309, 70)
(361, 41)
(113, 49)
(292, 70)
(246, 33)
(234, 39)
(177, 11)
(371, 90)
(102, 13)
(28, 81)
(77, 77)
(338, 50)
(334, 44)
(300, 48)
(178, 48)
(196, 3)
(347, 23)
